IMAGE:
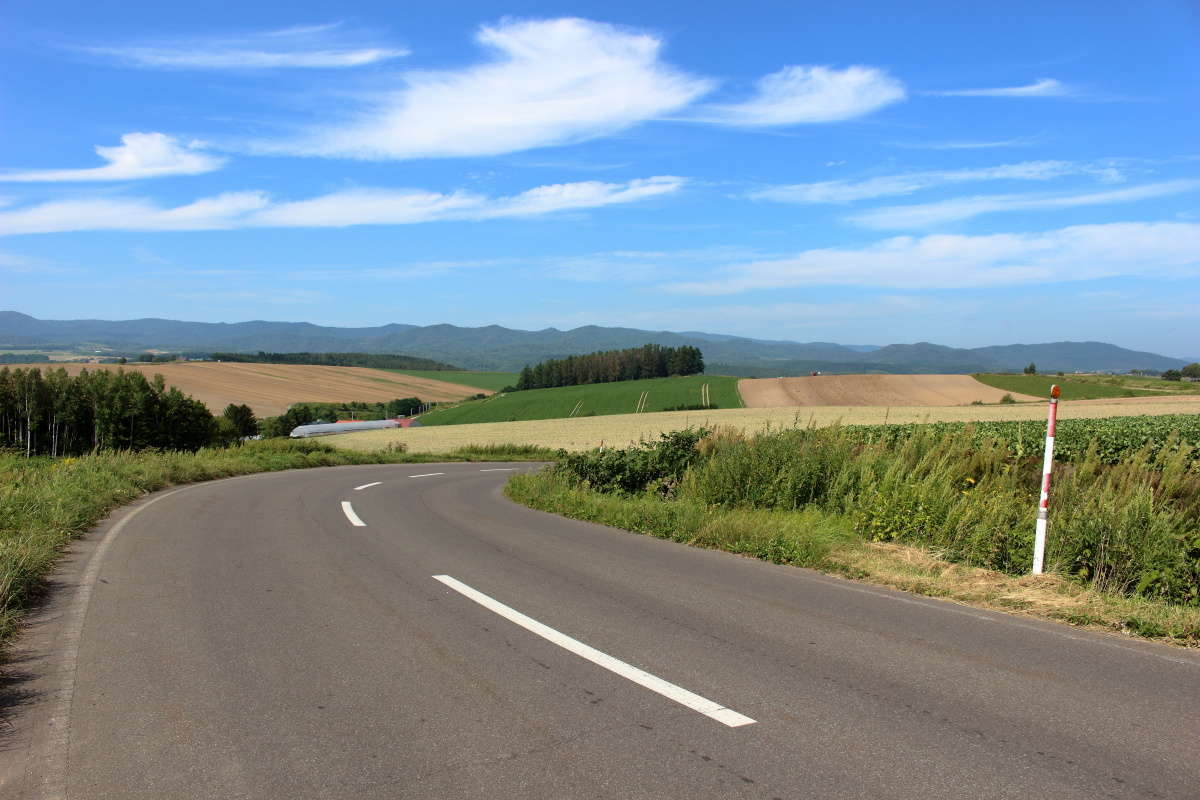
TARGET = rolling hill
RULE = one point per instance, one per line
(596, 399)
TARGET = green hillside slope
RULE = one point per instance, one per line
(1039, 386)
(593, 399)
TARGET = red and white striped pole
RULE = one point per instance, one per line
(1039, 539)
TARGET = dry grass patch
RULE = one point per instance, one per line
(1051, 597)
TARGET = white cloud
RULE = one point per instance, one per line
(550, 82)
(139, 155)
(928, 214)
(1042, 87)
(120, 214)
(338, 209)
(846, 191)
(1081, 252)
(365, 207)
(313, 46)
(584, 194)
(798, 94)
(1019, 141)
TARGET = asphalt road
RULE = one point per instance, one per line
(247, 639)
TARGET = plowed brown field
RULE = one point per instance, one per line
(270, 388)
(869, 390)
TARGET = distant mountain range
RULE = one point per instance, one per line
(497, 348)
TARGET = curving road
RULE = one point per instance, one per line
(406, 632)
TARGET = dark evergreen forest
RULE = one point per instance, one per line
(647, 361)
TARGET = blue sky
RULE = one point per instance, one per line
(859, 172)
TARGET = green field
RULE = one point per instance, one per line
(492, 381)
(595, 399)
(1155, 385)
(1039, 386)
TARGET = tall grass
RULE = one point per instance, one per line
(1132, 527)
(45, 502)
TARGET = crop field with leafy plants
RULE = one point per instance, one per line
(597, 399)
(1112, 438)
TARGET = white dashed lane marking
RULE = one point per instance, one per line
(348, 510)
(709, 708)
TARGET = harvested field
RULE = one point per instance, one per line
(583, 433)
(869, 390)
(270, 388)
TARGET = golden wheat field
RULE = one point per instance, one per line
(270, 388)
(619, 430)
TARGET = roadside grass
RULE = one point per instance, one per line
(491, 381)
(45, 502)
(595, 399)
(1072, 389)
(827, 541)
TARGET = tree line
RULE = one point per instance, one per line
(635, 363)
(307, 413)
(373, 360)
(57, 414)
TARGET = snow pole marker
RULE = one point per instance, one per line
(1039, 539)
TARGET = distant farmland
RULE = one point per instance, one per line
(270, 388)
(618, 431)
(486, 381)
(1039, 385)
(597, 399)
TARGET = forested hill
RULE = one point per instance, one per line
(373, 360)
(497, 348)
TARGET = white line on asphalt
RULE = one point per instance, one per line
(500, 469)
(348, 510)
(366, 486)
(708, 708)
(427, 475)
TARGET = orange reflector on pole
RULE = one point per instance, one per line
(1039, 539)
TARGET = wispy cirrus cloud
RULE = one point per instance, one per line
(549, 82)
(809, 94)
(254, 209)
(968, 144)
(848, 191)
(304, 47)
(138, 156)
(941, 261)
(1042, 87)
(924, 215)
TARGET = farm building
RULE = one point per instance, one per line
(326, 428)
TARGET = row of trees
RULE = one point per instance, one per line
(1190, 371)
(306, 413)
(373, 360)
(57, 414)
(647, 361)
